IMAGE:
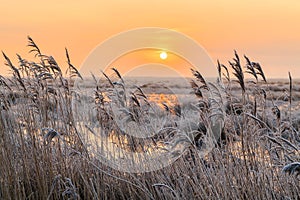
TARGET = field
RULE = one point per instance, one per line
(112, 137)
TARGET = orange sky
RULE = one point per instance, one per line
(136, 63)
(267, 31)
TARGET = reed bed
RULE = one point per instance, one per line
(45, 122)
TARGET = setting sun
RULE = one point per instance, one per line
(163, 55)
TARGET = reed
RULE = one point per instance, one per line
(43, 135)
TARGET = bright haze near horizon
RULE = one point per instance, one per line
(266, 31)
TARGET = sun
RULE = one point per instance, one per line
(163, 55)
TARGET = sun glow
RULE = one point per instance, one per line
(163, 55)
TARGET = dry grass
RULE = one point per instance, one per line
(43, 135)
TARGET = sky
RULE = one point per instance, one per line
(266, 31)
